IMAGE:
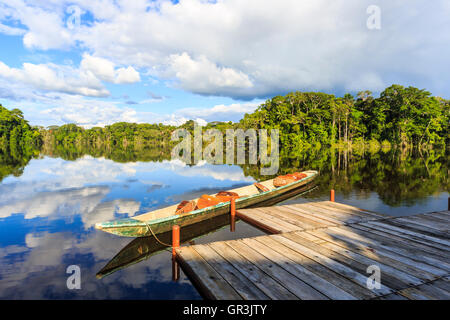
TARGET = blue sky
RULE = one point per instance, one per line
(99, 62)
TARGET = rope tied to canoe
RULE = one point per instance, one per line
(154, 235)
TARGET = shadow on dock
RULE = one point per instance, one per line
(326, 250)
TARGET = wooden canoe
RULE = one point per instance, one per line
(162, 220)
(142, 248)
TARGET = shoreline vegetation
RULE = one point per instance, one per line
(375, 150)
(400, 117)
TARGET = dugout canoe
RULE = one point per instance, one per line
(142, 248)
(162, 220)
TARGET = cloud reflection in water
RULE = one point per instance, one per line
(53, 206)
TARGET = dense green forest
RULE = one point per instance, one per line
(16, 135)
(399, 116)
(121, 134)
(394, 144)
(19, 142)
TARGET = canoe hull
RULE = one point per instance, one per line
(135, 228)
(143, 248)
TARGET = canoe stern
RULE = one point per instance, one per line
(126, 227)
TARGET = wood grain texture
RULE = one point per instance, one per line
(322, 251)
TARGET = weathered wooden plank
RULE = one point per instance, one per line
(342, 217)
(354, 209)
(257, 223)
(269, 220)
(311, 216)
(407, 231)
(330, 263)
(434, 292)
(236, 279)
(404, 248)
(312, 238)
(361, 292)
(409, 236)
(420, 226)
(417, 243)
(427, 291)
(439, 215)
(323, 253)
(276, 220)
(422, 250)
(316, 213)
(273, 289)
(393, 278)
(415, 294)
(290, 218)
(443, 284)
(392, 296)
(297, 270)
(344, 210)
(212, 283)
(386, 251)
(407, 226)
(444, 212)
(433, 217)
(394, 269)
(285, 217)
(334, 242)
(440, 227)
(251, 214)
(289, 281)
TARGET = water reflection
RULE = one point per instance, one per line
(38, 270)
(47, 216)
(48, 208)
(141, 249)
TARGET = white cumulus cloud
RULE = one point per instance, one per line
(106, 70)
(253, 48)
(245, 50)
(11, 31)
(203, 76)
(85, 80)
(51, 77)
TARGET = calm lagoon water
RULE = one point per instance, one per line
(47, 217)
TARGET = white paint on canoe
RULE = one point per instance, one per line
(242, 191)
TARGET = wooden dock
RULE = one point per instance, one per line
(322, 250)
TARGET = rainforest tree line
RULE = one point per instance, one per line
(121, 134)
(400, 116)
(307, 121)
(404, 116)
(19, 142)
(17, 137)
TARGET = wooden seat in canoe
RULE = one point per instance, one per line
(260, 187)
